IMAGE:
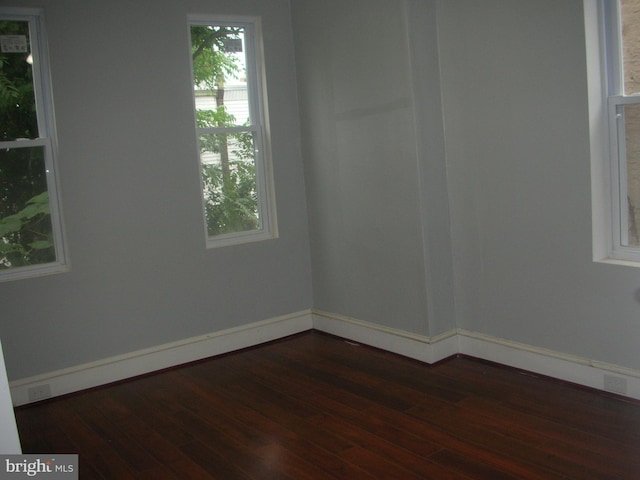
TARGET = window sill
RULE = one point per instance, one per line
(239, 238)
(33, 271)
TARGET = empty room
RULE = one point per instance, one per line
(321, 238)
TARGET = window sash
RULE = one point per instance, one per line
(46, 139)
(257, 126)
(619, 178)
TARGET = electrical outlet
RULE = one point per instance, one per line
(39, 392)
(615, 384)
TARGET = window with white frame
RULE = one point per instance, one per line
(621, 28)
(230, 118)
(31, 240)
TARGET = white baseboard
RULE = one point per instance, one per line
(418, 347)
(136, 363)
(570, 368)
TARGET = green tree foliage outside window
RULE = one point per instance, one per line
(26, 236)
(229, 178)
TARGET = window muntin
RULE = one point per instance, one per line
(30, 226)
(231, 130)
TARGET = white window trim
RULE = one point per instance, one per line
(604, 83)
(256, 80)
(47, 139)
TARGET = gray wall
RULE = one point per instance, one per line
(445, 148)
(141, 275)
(372, 142)
(510, 151)
(515, 101)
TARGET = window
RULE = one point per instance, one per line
(620, 82)
(230, 119)
(30, 226)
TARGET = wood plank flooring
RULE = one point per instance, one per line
(315, 406)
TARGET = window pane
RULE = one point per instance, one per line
(229, 183)
(630, 16)
(26, 235)
(220, 76)
(18, 118)
(631, 115)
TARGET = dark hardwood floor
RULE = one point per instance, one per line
(314, 406)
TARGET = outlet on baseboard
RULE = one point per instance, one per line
(615, 384)
(39, 392)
